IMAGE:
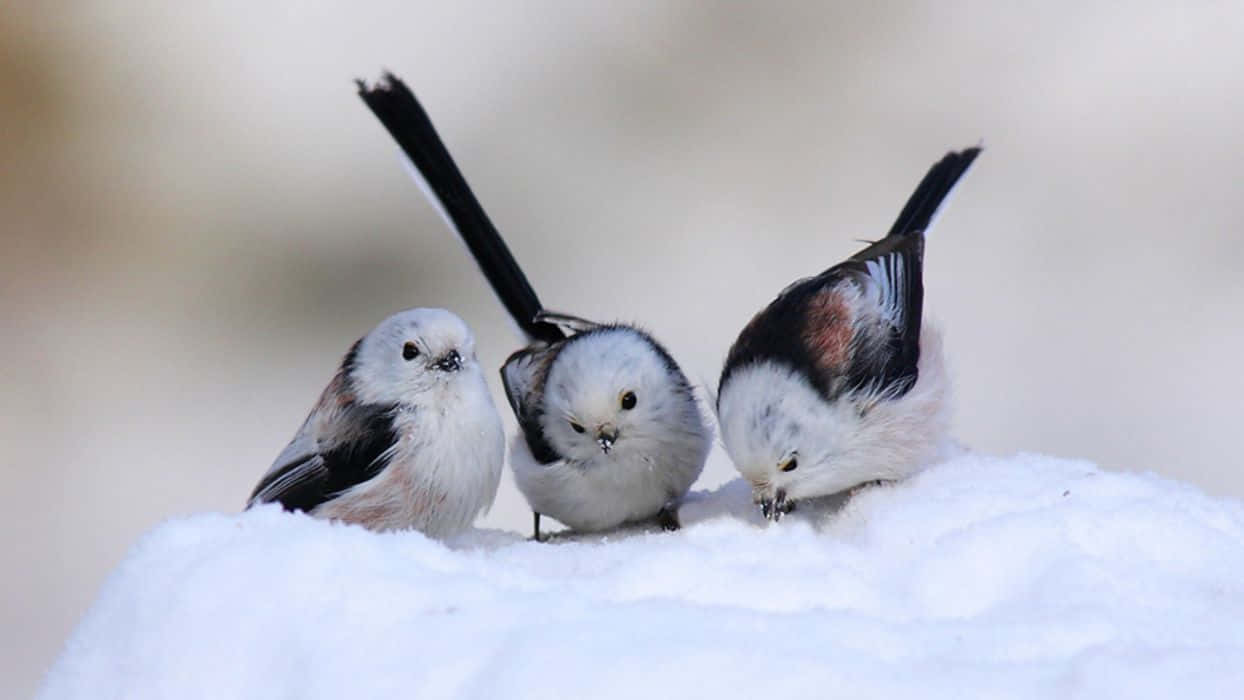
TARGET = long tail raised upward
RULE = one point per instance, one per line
(922, 206)
(438, 176)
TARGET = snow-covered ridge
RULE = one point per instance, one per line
(980, 578)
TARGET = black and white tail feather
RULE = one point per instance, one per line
(822, 390)
(432, 167)
(647, 440)
(436, 173)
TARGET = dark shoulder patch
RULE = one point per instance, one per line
(357, 460)
(814, 329)
(523, 376)
(780, 332)
(317, 478)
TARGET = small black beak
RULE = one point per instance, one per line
(605, 437)
(451, 362)
(774, 508)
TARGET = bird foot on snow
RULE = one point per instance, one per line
(667, 517)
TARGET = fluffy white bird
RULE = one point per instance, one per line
(836, 384)
(611, 430)
(405, 435)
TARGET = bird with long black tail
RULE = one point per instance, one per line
(837, 383)
(610, 429)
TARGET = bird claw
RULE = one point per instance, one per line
(774, 507)
(667, 518)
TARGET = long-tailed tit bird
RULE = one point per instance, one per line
(836, 384)
(405, 435)
(611, 431)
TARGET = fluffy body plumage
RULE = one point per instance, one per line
(405, 435)
(836, 383)
(623, 464)
(611, 429)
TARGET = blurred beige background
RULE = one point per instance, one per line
(199, 217)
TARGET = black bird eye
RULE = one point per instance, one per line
(791, 465)
(410, 351)
(577, 428)
(628, 401)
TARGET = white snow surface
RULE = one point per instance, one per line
(982, 577)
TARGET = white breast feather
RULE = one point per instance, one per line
(444, 469)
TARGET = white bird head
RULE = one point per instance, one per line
(614, 391)
(409, 353)
(782, 435)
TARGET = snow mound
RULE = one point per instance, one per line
(980, 578)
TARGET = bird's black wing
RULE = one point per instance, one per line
(808, 328)
(816, 325)
(330, 454)
(891, 272)
(857, 323)
(523, 376)
(396, 107)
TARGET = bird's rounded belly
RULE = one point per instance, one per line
(599, 496)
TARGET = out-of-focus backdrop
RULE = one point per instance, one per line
(199, 216)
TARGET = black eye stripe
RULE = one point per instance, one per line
(577, 428)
